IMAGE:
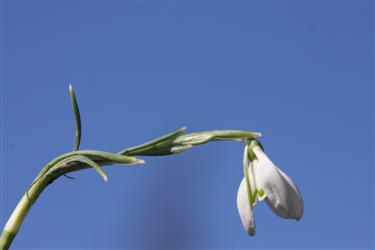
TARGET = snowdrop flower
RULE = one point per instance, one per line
(264, 181)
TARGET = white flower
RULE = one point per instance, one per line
(268, 182)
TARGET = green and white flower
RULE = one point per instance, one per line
(265, 181)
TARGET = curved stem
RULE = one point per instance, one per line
(14, 222)
(54, 169)
(61, 165)
(171, 143)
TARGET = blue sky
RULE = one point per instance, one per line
(302, 73)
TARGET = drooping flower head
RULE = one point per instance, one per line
(265, 181)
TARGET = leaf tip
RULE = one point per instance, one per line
(70, 88)
(139, 161)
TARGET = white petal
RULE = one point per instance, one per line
(297, 204)
(282, 195)
(244, 209)
(255, 164)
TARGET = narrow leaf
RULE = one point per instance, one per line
(77, 118)
(109, 158)
(166, 151)
(214, 135)
(88, 161)
(155, 144)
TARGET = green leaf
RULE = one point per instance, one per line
(155, 144)
(109, 158)
(85, 160)
(77, 118)
(214, 135)
(167, 151)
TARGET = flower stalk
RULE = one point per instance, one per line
(172, 143)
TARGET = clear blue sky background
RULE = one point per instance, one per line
(301, 73)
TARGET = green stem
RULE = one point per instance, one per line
(47, 175)
(161, 146)
(247, 177)
(171, 143)
(14, 223)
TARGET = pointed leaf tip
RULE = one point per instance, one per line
(94, 165)
(77, 118)
(140, 161)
